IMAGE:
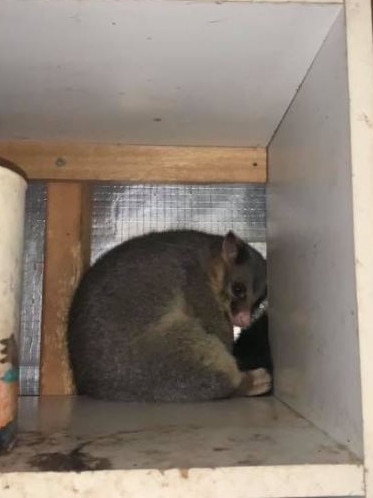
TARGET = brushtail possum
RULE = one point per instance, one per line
(152, 320)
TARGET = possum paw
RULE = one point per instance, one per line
(260, 382)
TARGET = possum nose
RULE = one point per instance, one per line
(242, 319)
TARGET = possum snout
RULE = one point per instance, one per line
(241, 319)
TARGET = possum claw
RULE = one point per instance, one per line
(260, 382)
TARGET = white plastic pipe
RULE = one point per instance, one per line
(12, 202)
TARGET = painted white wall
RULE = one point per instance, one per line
(311, 252)
(153, 71)
(360, 56)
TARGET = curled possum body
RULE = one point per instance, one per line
(152, 319)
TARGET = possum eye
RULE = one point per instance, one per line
(239, 290)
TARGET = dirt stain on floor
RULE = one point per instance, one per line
(75, 460)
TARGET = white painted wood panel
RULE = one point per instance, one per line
(245, 482)
(241, 448)
(153, 71)
(360, 69)
(311, 253)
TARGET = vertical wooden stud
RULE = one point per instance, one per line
(67, 251)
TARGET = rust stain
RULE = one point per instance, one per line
(184, 473)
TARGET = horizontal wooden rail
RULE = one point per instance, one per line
(77, 161)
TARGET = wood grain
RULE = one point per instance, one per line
(67, 247)
(73, 161)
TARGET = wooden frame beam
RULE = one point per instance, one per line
(77, 161)
(67, 251)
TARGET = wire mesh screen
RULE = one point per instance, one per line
(124, 211)
(33, 261)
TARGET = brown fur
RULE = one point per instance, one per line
(150, 320)
(217, 273)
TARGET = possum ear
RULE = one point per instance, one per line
(231, 247)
